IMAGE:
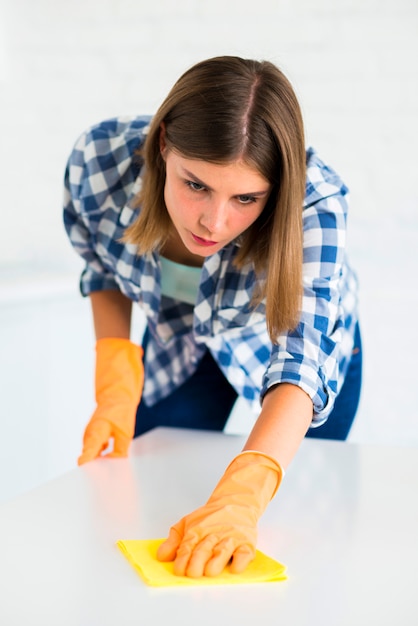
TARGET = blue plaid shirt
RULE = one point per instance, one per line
(102, 179)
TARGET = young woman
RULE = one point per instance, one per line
(213, 217)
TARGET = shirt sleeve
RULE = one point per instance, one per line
(99, 176)
(309, 355)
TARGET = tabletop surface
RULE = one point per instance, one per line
(345, 522)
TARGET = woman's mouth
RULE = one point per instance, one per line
(203, 242)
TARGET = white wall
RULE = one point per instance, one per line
(65, 65)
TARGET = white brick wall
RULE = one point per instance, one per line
(65, 65)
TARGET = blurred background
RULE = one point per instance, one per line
(67, 65)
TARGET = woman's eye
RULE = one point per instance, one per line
(194, 186)
(247, 199)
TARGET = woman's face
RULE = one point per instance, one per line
(210, 204)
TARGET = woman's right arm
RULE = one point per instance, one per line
(119, 377)
(119, 370)
(111, 314)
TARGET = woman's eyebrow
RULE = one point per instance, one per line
(196, 179)
(258, 194)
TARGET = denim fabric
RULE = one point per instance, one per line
(203, 402)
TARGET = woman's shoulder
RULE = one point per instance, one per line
(322, 181)
(104, 162)
(115, 135)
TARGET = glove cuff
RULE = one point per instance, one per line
(258, 459)
(119, 371)
(108, 346)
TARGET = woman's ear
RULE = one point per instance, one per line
(163, 145)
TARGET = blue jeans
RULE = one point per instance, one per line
(205, 401)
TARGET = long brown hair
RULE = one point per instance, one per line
(220, 110)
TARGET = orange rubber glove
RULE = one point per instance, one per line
(203, 542)
(119, 380)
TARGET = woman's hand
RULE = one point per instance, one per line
(119, 381)
(225, 528)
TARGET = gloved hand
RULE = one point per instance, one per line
(203, 542)
(119, 380)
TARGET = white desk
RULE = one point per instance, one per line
(345, 522)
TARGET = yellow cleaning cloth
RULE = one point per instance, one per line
(142, 554)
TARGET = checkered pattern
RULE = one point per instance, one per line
(101, 180)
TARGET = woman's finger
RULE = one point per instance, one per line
(167, 551)
(200, 556)
(241, 558)
(222, 554)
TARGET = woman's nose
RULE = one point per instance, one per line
(214, 218)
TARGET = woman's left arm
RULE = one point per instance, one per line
(225, 528)
(282, 424)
